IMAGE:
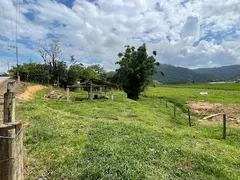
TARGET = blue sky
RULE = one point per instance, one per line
(188, 33)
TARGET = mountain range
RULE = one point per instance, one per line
(175, 74)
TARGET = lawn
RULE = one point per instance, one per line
(122, 139)
(180, 95)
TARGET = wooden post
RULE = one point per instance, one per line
(58, 84)
(11, 155)
(101, 91)
(67, 94)
(166, 104)
(189, 118)
(19, 150)
(111, 93)
(4, 157)
(11, 151)
(91, 88)
(174, 110)
(13, 110)
(9, 106)
(105, 91)
(224, 126)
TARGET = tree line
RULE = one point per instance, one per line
(53, 70)
(134, 73)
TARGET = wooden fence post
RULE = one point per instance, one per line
(101, 91)
(189, 118)
(4, 153)
(11, 140)
(111, 93)
(11, 155)
(91, 89)
(19, 150)
(68, 94)
(224, 126)
(9, 107)
(13, 109)
(105, 91)
(11, 151)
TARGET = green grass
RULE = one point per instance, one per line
(180, 96)
(81, 140)
(223, 86)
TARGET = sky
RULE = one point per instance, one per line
(187, 33)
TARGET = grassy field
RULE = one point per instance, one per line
(122, 139)
(181, 94)
(224, 86)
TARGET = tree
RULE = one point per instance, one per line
(51, 54)
(88, 73)
(75, 71)
(31, 72)
(99, 70)
(136, 69)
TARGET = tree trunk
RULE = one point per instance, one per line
(132, 96)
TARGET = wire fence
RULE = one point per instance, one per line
(176, 112)
(11, 140)
(182, 115)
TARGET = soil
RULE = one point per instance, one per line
(213, 113)
(29, 93)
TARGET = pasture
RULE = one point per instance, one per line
(221, 86)
(126, 139)
(180, 94)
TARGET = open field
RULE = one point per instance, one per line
(122, 139)
(181, 95)
(214, 103)
(223, 86)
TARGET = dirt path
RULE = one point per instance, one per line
(29, 93)
(213, 113)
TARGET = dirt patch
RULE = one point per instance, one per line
(213, 113)
(29, 93)
(185, 165)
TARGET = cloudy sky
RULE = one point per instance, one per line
(188, 33)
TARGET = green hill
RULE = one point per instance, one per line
(223, 73)
(175, 74)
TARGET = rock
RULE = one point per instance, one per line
(81, 126)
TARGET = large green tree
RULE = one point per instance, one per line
(99, 71)
(136, 69)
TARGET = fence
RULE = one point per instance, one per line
(176, 112)
(11, 140)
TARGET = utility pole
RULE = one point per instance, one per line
(8, 65)
(18, 76)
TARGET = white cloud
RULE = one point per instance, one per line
(191, 28)
(100, 29)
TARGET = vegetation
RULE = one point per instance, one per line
(123, 139)
(223, 86)
(180, 96)
(136, 69)
(177, 75)
(4, 75)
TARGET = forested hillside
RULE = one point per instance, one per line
(175, 74)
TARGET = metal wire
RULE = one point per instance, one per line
(15, 137)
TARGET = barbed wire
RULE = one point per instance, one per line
(15, 137)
